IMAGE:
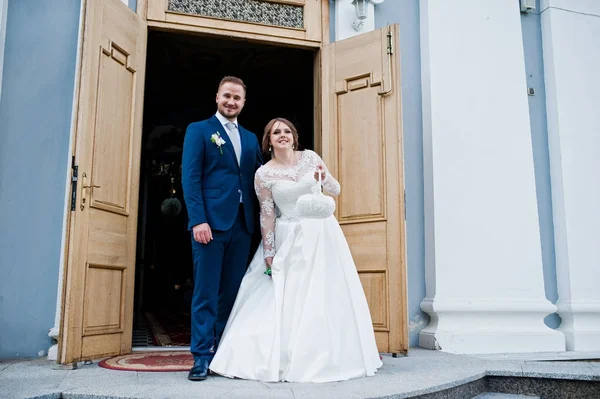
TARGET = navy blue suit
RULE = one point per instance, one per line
(212, 184)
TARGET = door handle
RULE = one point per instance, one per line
(91, 186)
(84, 188)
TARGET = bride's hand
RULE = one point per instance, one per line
(321, 170)
(269, 262)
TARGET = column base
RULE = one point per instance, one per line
(53, 350)
(485, 327)
(581, 325)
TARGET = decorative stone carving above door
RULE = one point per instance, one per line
(296, 22)
(255, 11)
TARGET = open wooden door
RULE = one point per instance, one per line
(362, 146)
(98, 297)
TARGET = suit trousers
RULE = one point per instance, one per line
(219, 267)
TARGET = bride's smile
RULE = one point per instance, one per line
(282, 139)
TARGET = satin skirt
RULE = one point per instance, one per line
(309, 321)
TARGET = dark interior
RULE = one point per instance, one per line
(182, 75)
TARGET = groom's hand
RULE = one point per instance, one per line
(202, 233)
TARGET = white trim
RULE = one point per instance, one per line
(3, 19)
(55, 331)
(586, 7)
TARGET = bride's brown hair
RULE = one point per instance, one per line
(267, 134)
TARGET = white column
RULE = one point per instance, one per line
(571, 45)
(484, 281)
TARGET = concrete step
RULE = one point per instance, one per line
(496, 395)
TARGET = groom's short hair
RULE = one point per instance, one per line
(234, 80)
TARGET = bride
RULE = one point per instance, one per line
(301, 314)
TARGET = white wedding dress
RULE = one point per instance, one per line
(309, 321)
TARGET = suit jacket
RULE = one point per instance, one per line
(212, 182)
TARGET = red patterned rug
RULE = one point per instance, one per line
(150, 361)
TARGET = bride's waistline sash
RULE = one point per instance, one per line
(289, 219)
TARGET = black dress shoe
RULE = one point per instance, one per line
(200, 370)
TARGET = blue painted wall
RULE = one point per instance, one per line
(534, 67)
(331, 21)
(35, 120)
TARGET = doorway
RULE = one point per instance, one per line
(356, 90)
(182, 74)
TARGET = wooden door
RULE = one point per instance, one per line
(98, 300)
(362, 146)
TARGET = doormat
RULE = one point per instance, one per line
(150, 361)
(169, 329)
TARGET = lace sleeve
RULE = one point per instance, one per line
(267, 213)
(330, 184)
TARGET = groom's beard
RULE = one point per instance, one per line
(229, 112)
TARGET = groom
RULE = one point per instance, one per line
(219, 161)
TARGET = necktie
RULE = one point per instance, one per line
(234, 136)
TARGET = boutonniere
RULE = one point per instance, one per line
(218, 140)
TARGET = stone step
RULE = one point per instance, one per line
(496, 395)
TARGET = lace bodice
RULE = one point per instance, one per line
(278, 189)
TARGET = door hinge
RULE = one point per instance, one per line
(74, 169)
(390, 51)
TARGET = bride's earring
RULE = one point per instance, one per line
(270, 148)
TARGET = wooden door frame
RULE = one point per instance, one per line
(320, 93)
(246, 30)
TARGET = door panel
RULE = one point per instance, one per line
(362, 146)
(112, 148)
(98, 300)
(354, 204)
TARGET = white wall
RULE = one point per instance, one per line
(3, 16)
(571, 43)
(344, 16)
(482, 243)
